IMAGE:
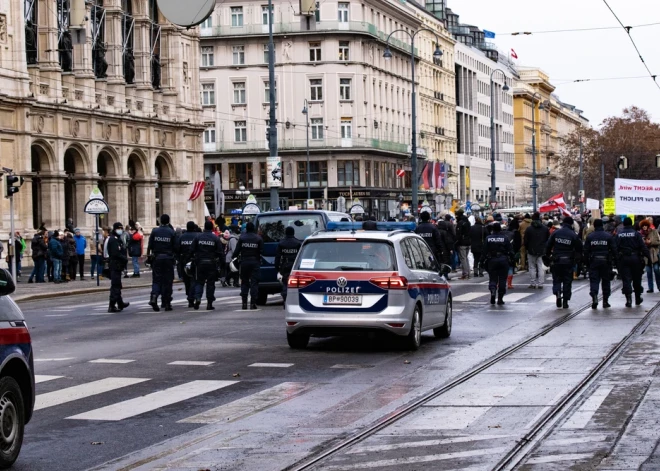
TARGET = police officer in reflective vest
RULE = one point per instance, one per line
(498, 256)
(287, 251)
(600, 253)
(206, 250)
(162, 248)
(632, 250)
(117, 261)
(249, 248)
(431, 234)
(184, 255)
(563, 251)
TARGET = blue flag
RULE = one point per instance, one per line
(489, 34)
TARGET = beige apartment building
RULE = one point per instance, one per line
(359, 104)
(119, 111)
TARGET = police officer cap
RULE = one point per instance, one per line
(208, 226)
(190, 227)
(165, 219)
(425, 216)
(627, 222)
(290, 231)
(568, 221)
(117, 225)
(249, 227)
(598, 223)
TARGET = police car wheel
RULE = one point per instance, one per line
(12, 421)
(297, 341)
(445, 331)
(262, 299)
(414, 337)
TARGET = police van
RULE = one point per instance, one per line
(271, 226)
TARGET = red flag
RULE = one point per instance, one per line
(198, 190)
(513, 54)
(436, 177)
(553, 204)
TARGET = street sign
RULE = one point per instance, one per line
(310, 204)
(357, 209)
(97, 206)
(96, 194)
(400, 173)
(251, 200)
(251, 209)
(274, 172)
(493, 205)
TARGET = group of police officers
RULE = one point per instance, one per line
(199, 255)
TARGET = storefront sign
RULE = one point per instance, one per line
(274, 172)
(637, 196)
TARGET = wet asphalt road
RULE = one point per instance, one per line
(110, 385)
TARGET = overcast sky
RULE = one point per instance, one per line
(579, 55)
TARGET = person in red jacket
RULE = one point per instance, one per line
(135, 246)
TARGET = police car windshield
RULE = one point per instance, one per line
(271, 228)
(354, 255)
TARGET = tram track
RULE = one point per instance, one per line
(527, 443)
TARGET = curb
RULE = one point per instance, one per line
(61, 294)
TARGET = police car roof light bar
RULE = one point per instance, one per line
(380, 226)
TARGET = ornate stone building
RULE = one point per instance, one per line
(119, 111)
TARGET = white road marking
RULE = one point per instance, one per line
(422, 459)
(43, 378)
(513, 297)
(192, 363)
(444, 441)
(448, 418)
(153, 401)
(81, 391)
(52, 359)
(56, 315)
(554, 458)
(271, 365)
(581, 418)
(474, 397)
(468, 297)
(353, 367)
(550, 299)
(249, 405)
(574, 441)
(112, 361)
(554, 401)
(521, 369)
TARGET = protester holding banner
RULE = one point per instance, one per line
(652, 241)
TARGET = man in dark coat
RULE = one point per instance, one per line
(478, 235)
(535, 238)
(117, 261)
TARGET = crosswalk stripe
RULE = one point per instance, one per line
(249, 405)
(468, 296)
(116, 361)
(550, 299)
(574, 440)
(554, 458)
(192, 363)
(153, 401)
(513, 297)
(424, 443)
(271, 365)
(81, 391)
(43, 378)
(52, 359)
(581, 418)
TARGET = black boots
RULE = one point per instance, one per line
(121, 305)
(492, 296)
(500, 300)
(628, 300)
(558, 300)
(638, 299)
(191, 303)
(244, 298)
(168, 307)
(153, 302)
(565, 305)
(197, 303)
(112, 307)
(594, 301)
(209, 306)
(606, 302)
(253, 305)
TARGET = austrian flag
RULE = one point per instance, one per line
(198, 190)
(513, 54)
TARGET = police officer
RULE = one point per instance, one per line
(498, 254)
(249, 248)
(206, 250)
(162, 247)
(287, 251)
(118, 260)
(433, 237)
(599, 254)
(563, 251)
(184, 255)
(632, 250)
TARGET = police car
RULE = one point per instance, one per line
(16, 374)
(346, 281)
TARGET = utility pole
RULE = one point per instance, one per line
(582, 196)
(602, 178)
(272, 135)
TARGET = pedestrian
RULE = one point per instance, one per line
(135, 246)
(64, 270)
(231, 278)
(497, 256)
(125, 238)
(478, 235)
(433, 237)
(524, 224)
(463, 242)
(55, 252)
(39, 253)
(81, 246)
(206, 250)
(563, 250)
(73, 256)
(599, 255)
(631, 254)
(652, 240)
(447, 228)
(117, 261)
(69, 225)
(249, 250)
(184, 256)
(287, 251)
(512, 231)
(18, 248)
(162, 247)
(535, 238)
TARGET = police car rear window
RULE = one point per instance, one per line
(346, 255)
(271, 228)
(9, 311)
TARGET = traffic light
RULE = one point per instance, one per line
(10, 185)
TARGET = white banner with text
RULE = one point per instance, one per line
(640, 197)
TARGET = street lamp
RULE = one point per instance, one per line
(493, 189)
(535, 184)
(241, 190)
(387, 55)
(305, 111)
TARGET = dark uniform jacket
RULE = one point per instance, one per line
(433, 237)
(118, 259)
(536, 238)
(497, 245)
(162, 242)
(287, 251)
(600, 246)
(250, 247)
(565, 246)
(630, 242)
(184, 246)
(206, 249)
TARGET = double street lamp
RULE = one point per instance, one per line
(387, 55)
(505, 88)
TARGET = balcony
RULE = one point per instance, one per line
(459, 30)
(301, 144)
(291, 28)
(487, 46)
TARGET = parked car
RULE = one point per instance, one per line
(16, 374)
(351, 281)
(271, 227)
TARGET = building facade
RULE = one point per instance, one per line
(554, 120)
(115, 108)
(359, 104)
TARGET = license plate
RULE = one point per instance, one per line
(343, 299)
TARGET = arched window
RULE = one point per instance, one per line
(31, 31)
(128, 27)
(155, 45)
(99, 47)
(65, 41)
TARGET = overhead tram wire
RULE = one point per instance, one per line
(573, 30)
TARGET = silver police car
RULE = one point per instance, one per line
(346, 280)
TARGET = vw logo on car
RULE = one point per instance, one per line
(342, 282)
